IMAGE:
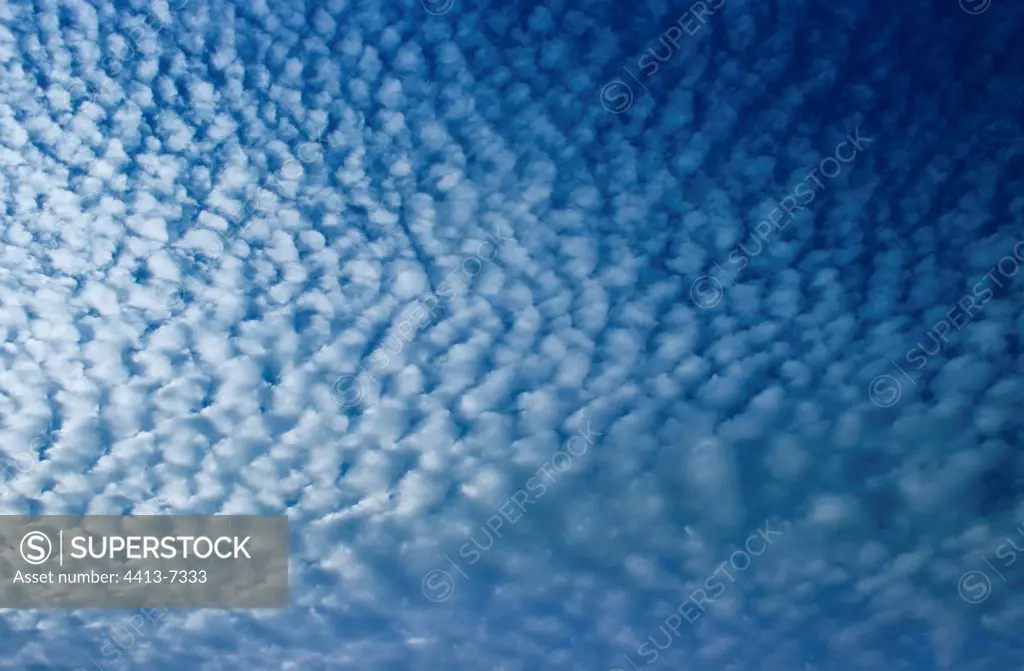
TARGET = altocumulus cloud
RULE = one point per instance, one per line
(211, 211)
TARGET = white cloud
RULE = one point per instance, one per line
(323, 175)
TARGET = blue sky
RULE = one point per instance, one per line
(569, 336)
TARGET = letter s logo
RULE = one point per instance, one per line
(36, 548)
